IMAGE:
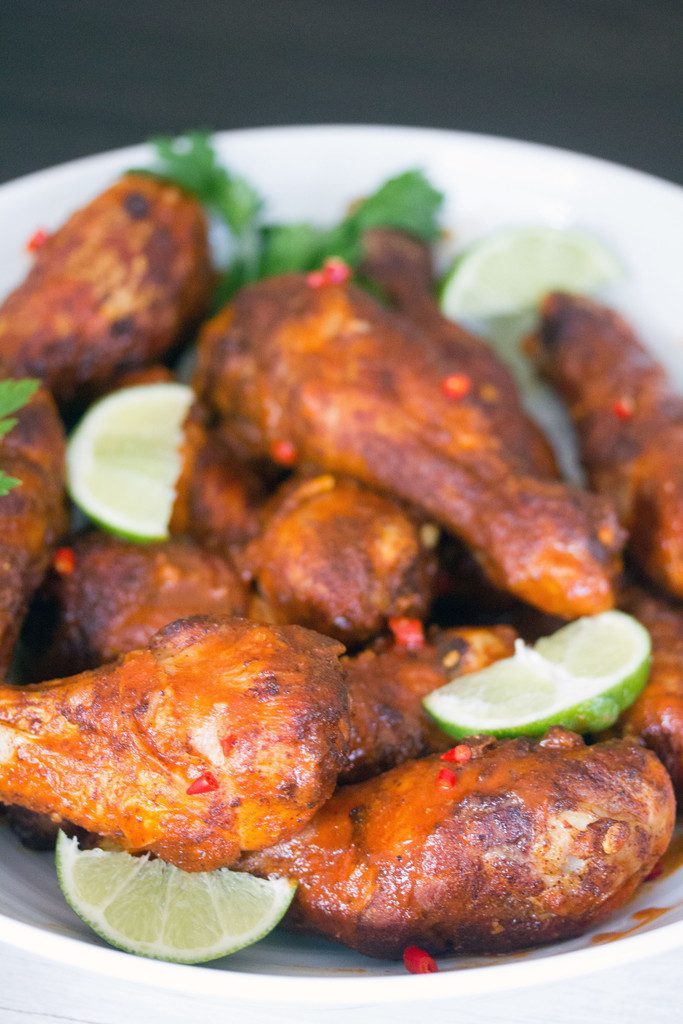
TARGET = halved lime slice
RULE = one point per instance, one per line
(510, 271)
(581, 677)
(150, 908)
(123, 459)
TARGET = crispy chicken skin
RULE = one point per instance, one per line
(255, 717)
(33, 515)
(387, 683)
(657, 715)
(535, 843)
(402, 266)
(220, 494)
(629, 422)
(112, 596)
(111, 290)
(340, 559)
(357, 390)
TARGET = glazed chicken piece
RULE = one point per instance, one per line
(33, 515)
(106, 596)
(629, 422)
(220, 493)
(402, 266)
(112, 289)
(657, 715)
(533, 843)
(386, 686)
(220, 736)
(346, 385)
(340, 559)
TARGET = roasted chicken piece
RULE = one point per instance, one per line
(402, 266)
(220, 736)
(33, 515)
(107, 596)
(340, 559)
(340, 382)
(220, 493)
(112, 289)
(657, 715)
(532, 843)
(629, 422)
(387, 684)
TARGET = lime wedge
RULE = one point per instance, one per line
(150, 908)
(581, 677)
(123, 459)
(510, 271)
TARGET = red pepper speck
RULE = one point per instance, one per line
(283, 452)
(205, 783)
(460, 754)
(446, 779)
(457, 385)
(227, 743)
(408, 633)
(333, 271)
(64, 561)
(623, 408)
(37, 240)
(417, 961)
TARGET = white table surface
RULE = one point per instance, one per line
(37, 991)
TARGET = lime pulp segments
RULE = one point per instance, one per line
(582, 677)
(150, 908)
(123, 459)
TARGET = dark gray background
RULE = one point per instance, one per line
(599, 76)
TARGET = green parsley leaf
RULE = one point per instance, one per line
(13, 395)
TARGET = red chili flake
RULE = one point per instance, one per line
(623, 408)
(227, 743)
(205, 783)
(457, 385)
(64, 561)
(333, 271)
(657, 872)
(37, 240)
(446, 779)
(408, 633)
(283, 452)
(460, 754)
(417, 961)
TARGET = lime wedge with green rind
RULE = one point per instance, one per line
(582, 677)
(124, 461)
(150, 908)
(510, 270)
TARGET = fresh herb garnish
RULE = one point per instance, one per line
(13, 395)
(407, 202)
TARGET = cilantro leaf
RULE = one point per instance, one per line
(7, 483)
(190, 161)
(13, 395)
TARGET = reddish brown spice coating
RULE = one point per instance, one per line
(340, 559)
(111, 290)
(118, 594)
(115, 750)
(629, 422)
(387, 684)
(33, 515)
(657, 715)
(536, 842)
(356, 389)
